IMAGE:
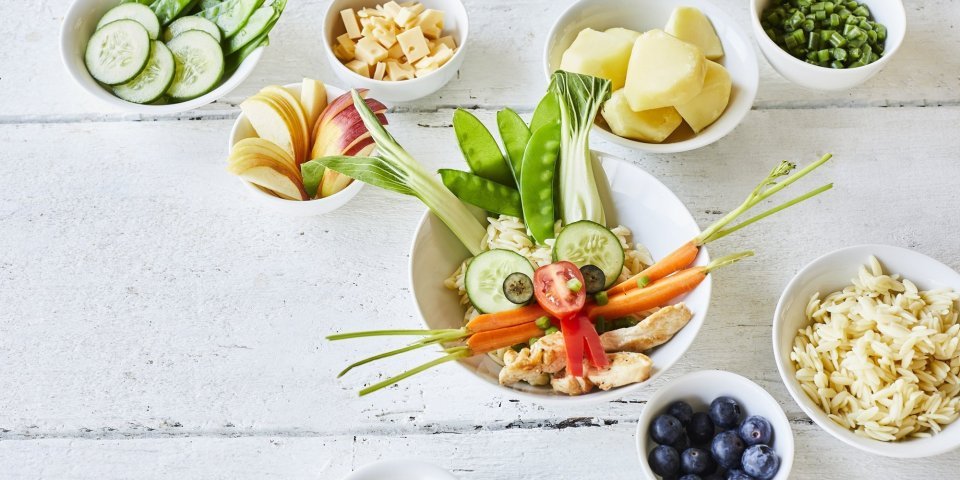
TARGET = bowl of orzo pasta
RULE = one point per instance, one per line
(867, 341)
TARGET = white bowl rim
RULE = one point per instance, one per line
(597, 396)
(786, 461)
(698, 140)
(226, 86)
(887, 449)
(350, 190)
(816, 69)
(412, 81)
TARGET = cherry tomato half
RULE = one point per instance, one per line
(551, 287)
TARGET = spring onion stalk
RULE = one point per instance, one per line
(395, 169)
(441, 338)
(455, 353)
(580, 98)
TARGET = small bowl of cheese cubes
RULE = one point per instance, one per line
(400, 51)
(683, 74)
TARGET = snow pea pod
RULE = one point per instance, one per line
(515, 135)
(488, 195)
(480, 149)
(537, 181)
(547, 111)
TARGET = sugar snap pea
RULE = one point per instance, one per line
(515, 135)
(486, 194)
(537, 180)
(547, 111)
(480, 149)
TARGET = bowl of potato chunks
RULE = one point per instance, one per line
(683, 74)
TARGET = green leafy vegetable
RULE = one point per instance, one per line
(168, 10)
(580, 97)
(396, 170)
(312, 174)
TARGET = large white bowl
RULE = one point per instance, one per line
(81, 21)
(833, 272)
(699, 389)
(631, 197)
(296, 208)
(454, 23)
(888, 12)
(642, 15)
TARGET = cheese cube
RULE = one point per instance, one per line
(359, 67)
(369, 51)
(624, 33)
(421, 72)
(431, 22)
(379, 71)
(385, 35)
(345, 48)
(442, 55)
(413, 44)
(647, 126)
(391, 9)
(448, 41)
(599, 54)
(350, 23)
(692, 26)
(399, 71)
(707, 107)
(395, 52)
(663, 72)
(408, 15)
(342, 53)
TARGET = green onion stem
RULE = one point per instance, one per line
(727, 260)
(727, 231)
(382, 333)
(455, 353)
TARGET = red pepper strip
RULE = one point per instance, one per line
(594, 348)
(573, 339)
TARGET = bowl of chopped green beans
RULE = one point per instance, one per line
(828, 45)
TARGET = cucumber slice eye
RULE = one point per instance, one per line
(587, 243)
(485, 277)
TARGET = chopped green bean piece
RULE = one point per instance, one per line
(533, 340)
(861, 10)
(543, 322)
(574, 285)
(551, 331)
(834, 20)
(839, 54)
(837, 40)
(601, 298)
(823, 56)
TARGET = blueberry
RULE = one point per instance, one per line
(738, 475)
(696, 460)
(681, 410)
(761, 462)
(666, 429)
(725, 412)
(682, 443)
(664, 461)
(690, 476)
(700, 429)
(756, 430)
(727, 448)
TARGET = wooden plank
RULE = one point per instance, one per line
(922, 74)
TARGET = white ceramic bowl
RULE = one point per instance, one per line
(888, 12)
(400, 470)
(699, 389)
(242, 129)
(631, 197)
(81, 21)
(642, 15)
(454, 23)
(833, 272)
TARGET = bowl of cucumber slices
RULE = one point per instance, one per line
(164, 56)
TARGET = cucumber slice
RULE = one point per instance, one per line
(199, 64)
(193, 22)
(588, 243)
(261, 20)
(231, 15)
(136, 12)
(117, 52)
(485, 275)
(153, 81)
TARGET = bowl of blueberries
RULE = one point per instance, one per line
(714, 425)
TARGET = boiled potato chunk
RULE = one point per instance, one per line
(707, 107)
(624, 33)
(647, 125)
(663, 71)
(599, 54)
(692, 26)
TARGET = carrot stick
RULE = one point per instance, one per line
(491, 340)
(677, 260)
(660, 292)
(508, 318)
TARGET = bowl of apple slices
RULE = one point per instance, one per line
(682, 72)
(281, 128)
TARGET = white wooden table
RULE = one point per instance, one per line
(155, 323)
